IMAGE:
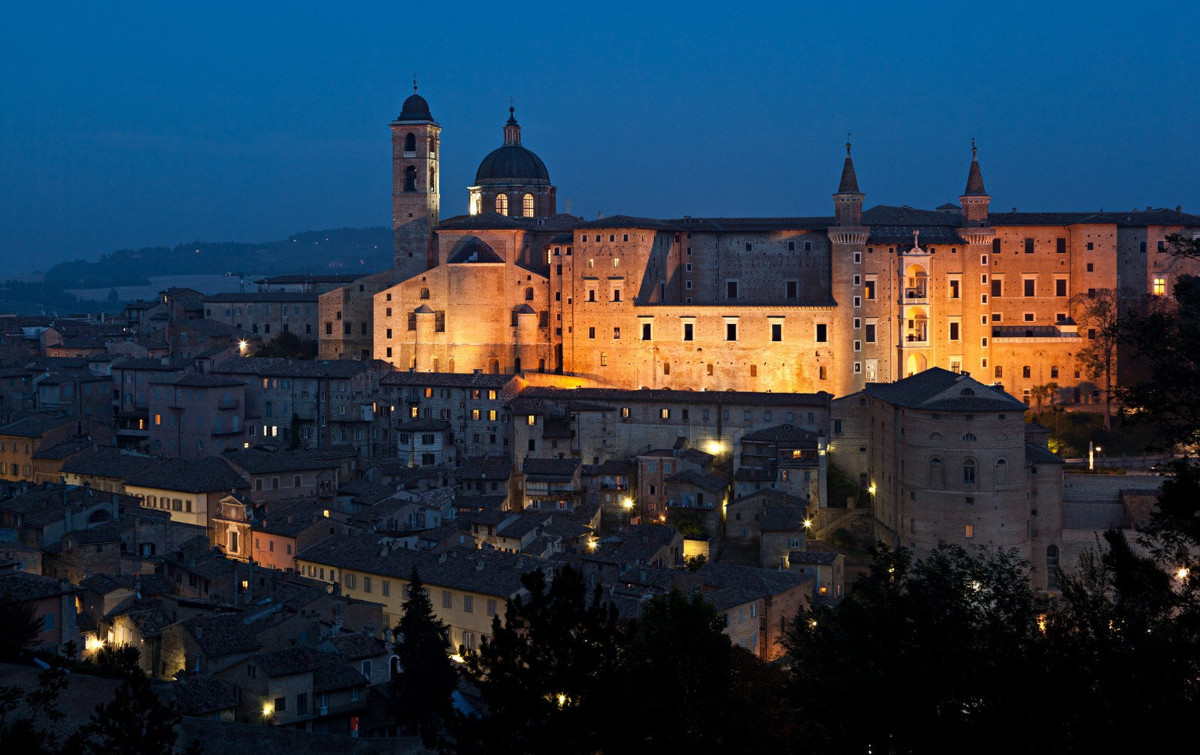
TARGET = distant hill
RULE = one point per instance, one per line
(341, 250)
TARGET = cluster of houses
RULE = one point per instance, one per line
(251, 524)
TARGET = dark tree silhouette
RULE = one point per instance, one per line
(426, 679)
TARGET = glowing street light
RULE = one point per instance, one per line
(242, 344)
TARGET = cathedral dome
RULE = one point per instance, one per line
(511, 163)
(415, 109)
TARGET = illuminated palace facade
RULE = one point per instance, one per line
(799, 304)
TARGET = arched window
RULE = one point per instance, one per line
(410, 178)
(424, 293)
(451, 368)
(969, 472)
(1001, 472)
(1051, 567)
(966, 392)
(436, 363)
(502, 204)
(970, 438)
(528, 294)
(541, 365)
(410, 142)
(527, 206)
(432, 180)
(937, 473)
(495, 366)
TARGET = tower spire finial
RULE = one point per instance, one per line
(847, 144)
(414, 83)
(974, 151)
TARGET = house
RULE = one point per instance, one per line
(53, 604)
(275, 475)
(756, 604)
(772, 520)
(189, 489)
(300, 687)
(551, 484)
(195, 415)
(205, 644)
(21, 439)
(827, 568)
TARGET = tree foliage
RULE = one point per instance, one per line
(134, 722)
(1099, 318)
(422, 688)
(120, 659)
(24, 715)
(548, 675)
(288, 345)
(19, 629)
(934, 652)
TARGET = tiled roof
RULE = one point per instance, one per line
(446, 379)
(674, 397)
(256, 461)
(485, 572)
(291, 518)
(789, 434)
(1037, 454)
(222, 634)
(21, 587)
(200, 695)
(753, 580)
(333, 673)
(197, 380)
(938, 389)
(823, 558)
(636, 545)
(713, 482)
(204, 475)
(110, 462)
(485, 468)
(553, 470)
(64, 449)
(35, 425)
(357, 647)
(782, 519)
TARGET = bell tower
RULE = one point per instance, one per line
(848, 238)
(416, 198)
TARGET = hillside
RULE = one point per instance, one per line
(342, 250)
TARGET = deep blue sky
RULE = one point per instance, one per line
(127, 124)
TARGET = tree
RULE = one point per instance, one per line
(1047, 392)
(1097, 313)
(23, 714)
(288, 345)
(679, 651)
(19, 629)
(121, 659)
(422, 687)
(133, 723)
(933, 653)
(549, 674)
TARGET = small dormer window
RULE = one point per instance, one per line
(967, 392)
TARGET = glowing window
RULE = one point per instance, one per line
(501, 204)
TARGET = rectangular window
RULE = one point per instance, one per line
(1060, 287)
(689, 331)
(970, 531)
(731, 289)
(731, 331)
(1029, 246)
(646, 331)
(955, 288)
(822, 333)
(776, 331)
(869, 288)
(468, 604)
(954, 330)
(1060, 245)
(1160, 287)
(616, 334)
(869, 333)
(792, 289)
(995, 246)
(997, 286)
(1030, 285)
(491, 607)
(447, 599)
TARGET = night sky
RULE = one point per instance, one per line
(138, 124)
